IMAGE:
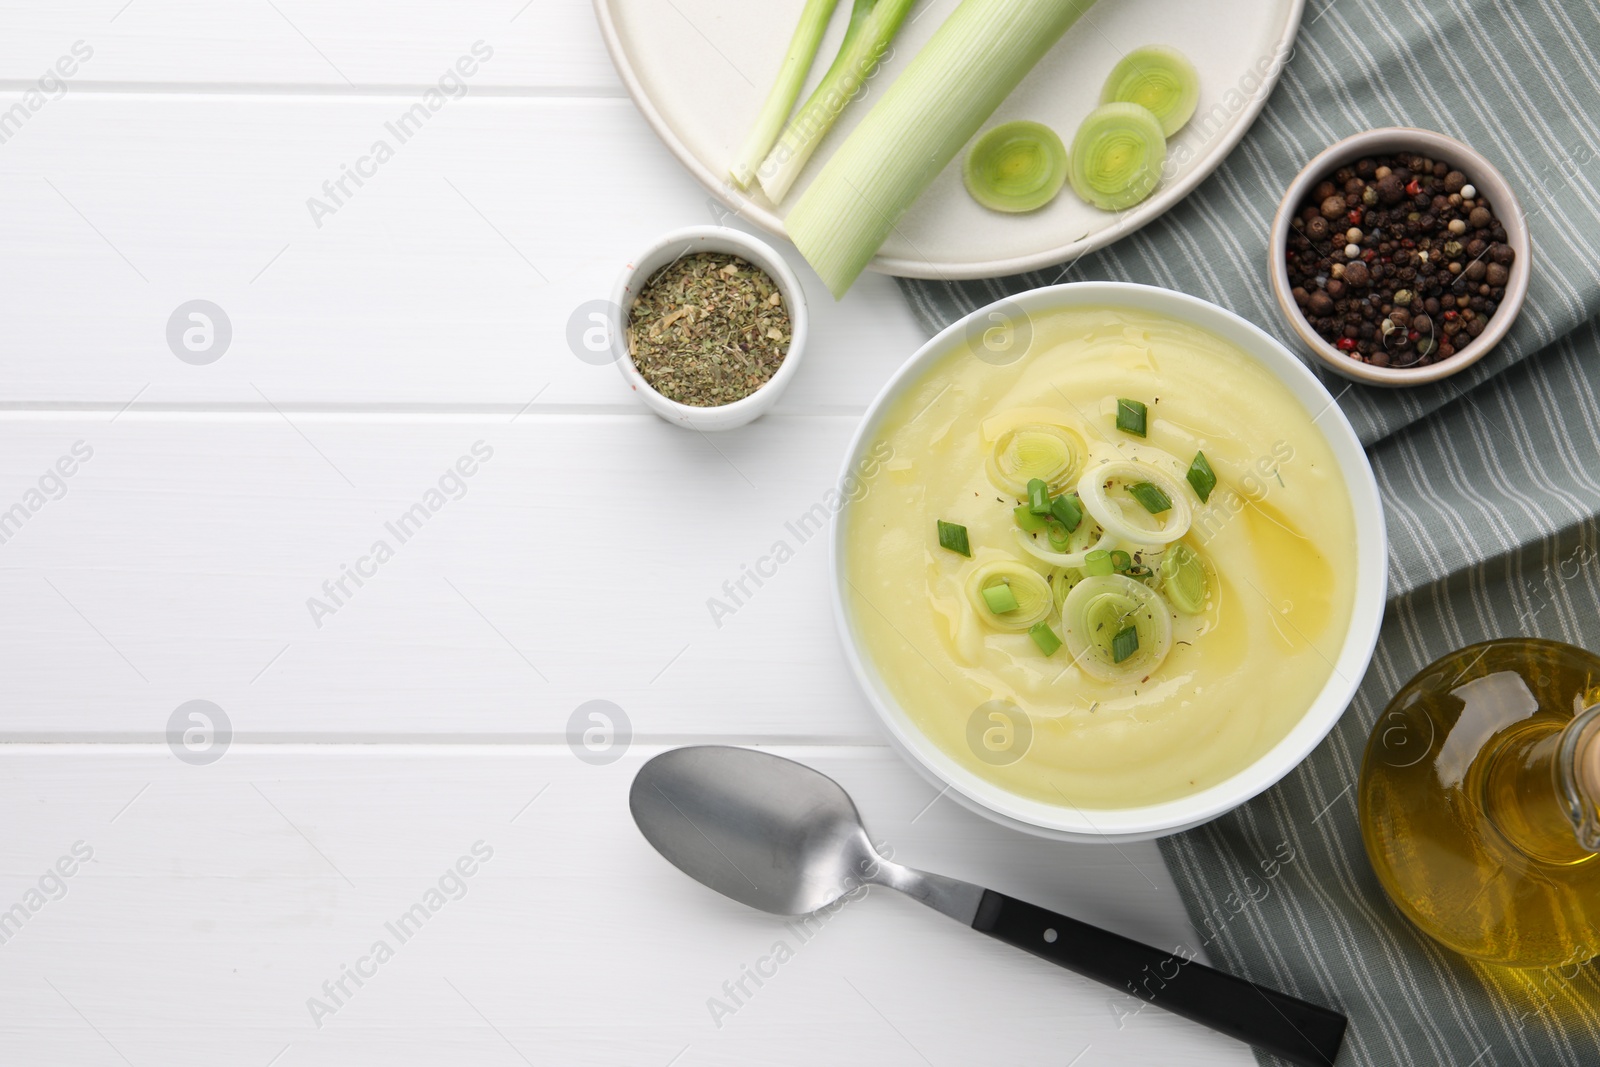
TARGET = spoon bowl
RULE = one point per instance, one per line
(749, 826)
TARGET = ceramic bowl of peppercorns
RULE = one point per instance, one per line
(1399, 256)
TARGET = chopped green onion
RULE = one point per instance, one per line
(1068, 511)
(1016, 167)
(954, 537)
(1124, 644)
(1151, 497)
(1000, 598)
(1161, 80)
(1038, 496)
(785, 90)
(1060, 539)
(1098, 563)
(1202, 477)
(1027, 519)
(969, 66)
(1121, 562)
(1045, 638)
(1131, 416)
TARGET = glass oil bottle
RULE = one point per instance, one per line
(1479, 802)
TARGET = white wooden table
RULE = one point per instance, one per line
(378, 742)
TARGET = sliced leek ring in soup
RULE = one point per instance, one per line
(1053, 454)
(1009, 596)
(1117, 629)
(1184, 579)
(1136, 502)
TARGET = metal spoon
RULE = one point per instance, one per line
(779, 836)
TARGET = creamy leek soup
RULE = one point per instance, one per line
(1110, 574)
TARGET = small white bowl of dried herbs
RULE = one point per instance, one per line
(713, 323)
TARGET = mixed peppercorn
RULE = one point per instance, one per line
(1398, 260)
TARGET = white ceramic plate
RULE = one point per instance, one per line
(1350, 664)
(699, 70)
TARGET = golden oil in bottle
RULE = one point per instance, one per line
(1480, 802)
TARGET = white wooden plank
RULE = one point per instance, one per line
(538, 45)
(575, 564)
(446, 280)
(220, 898)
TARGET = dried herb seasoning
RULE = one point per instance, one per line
(708, 329)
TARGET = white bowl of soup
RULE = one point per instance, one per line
(1111, 561)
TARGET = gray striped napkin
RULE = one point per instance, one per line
(1491, 480)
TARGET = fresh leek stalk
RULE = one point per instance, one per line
(785, 90)
(873, 24)
(1028, 590)
(1098, 609)
(932, 109)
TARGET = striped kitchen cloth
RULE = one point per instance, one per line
(1491, 480)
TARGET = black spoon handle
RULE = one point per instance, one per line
(1300, 1032)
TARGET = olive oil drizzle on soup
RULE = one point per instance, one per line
(1112, 726)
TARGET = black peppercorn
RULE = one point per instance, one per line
(1423, 248)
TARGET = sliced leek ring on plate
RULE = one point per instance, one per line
(1117, 629)
(1159, 79)
(993, 586)
(1136, 502)
(1016, 167)
(1116, 158)
(1053, 454)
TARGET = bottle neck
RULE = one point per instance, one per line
(1578, 776)
(1542, 790)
